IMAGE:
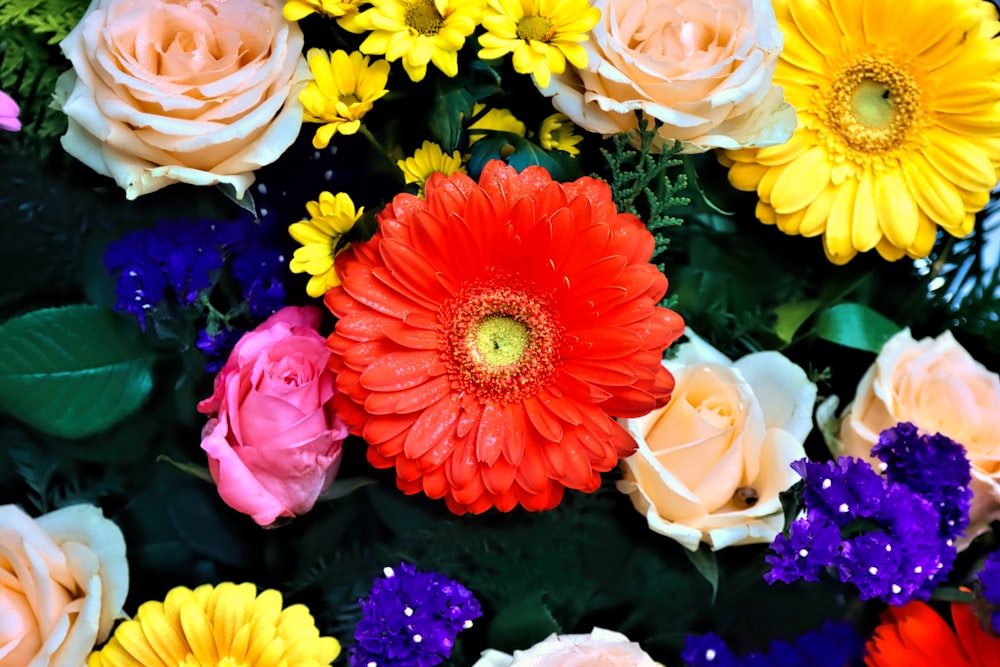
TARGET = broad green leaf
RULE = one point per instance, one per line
(791, 316)
(73, 371)
(855, 325)
(708, 567)
(522, 624)
(345, 487)
(520, 153)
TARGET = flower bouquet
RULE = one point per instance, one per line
(489, 333)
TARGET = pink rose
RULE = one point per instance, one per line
(8, 113)
(193, 91)
(935, 384)
(600, 647)
(63, 581)
(701, 68)
(274, 442)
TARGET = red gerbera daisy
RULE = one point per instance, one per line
(489, 333)
(915, 636)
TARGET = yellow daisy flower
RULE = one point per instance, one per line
(542, 34)
(499, 120)
(322, 239)
(227, 625)
(343, 90)
(345, 11)
(420, 32)
(427, 160)
(898, 124)
(556, 134)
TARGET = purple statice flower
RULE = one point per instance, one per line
(217, 347)
(989, 578)
(933, 466)
(707, 651)
(874, 533)
(258, 272)
(411, 619)
(833, 645)
(141, 285)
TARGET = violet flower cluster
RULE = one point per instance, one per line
(411, 619)
(833, 645)
(892, 537)
(180, 261)
(989, 580)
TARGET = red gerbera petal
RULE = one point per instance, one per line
(489, 333)
(916, 636)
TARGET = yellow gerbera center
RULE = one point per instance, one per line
(873, 104)
(424, 17)
(534, 28)
(501, 341)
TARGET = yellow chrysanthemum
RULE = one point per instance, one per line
(556, 134)
(322, 239)
(898, 124)
(345, 11)
(420, 32)
(542, 34)
(498, 120)
(343, 90)
(227, 625)
(428, 159)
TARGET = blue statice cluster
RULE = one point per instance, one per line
(411, 619)
(892, 536)
(833, 645)
(179, 263)
(989, 580)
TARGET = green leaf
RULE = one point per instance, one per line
(72, 371)
(791, 316)
(708, 567)
(522, 624)
(520, 153)
(855, 325)
(193, 469)
(345, 487)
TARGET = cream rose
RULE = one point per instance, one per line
(600, 647)
(702, 68)
(192, 91)
(711, 463)
(936, 385)
(63, 581)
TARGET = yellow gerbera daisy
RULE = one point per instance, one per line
(556, 134)
(343, 90)
(345, 11)
(227, 625)
(427, 160)
(898, 124)
(420, 32)
(322, 239)
(499, 120)
(542, 34)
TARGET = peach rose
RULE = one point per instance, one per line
(600, 647)
(701, 68)
(936, 385)
(711, 463)
(274, 442)
(63, 581)
(192, 91)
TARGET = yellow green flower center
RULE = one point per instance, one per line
(873, 104)
(423, 17)
(349, 98)
(534, 28)
(501, 341)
